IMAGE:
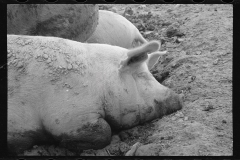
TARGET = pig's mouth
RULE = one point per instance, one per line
(170, 104)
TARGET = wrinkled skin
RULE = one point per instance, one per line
(75, 94)
(116, 30)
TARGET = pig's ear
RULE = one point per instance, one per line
(153, 59)
(138, 55)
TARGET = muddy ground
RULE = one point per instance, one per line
(198, 66)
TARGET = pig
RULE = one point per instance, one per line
(116, 30)
(75, 94)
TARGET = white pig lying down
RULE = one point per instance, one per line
(116, 30)
(76, 93)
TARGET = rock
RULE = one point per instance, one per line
(208, 107)
(35, 146)
(38, 151)
(215, 62)
(178, 40)
(224, 121)
(148, 33)
(87, 154)
(124, 147)
(180, 120)
(101, 152)
(174, 118)
(20, 64)
(167, 138)
(113, 9)
(176, 6)
(182, 96)
(75, 66)
(69, 66)
(113, 149)
(133, 149)
(123, 135)
(49, 60)
(128, 11)
(179, 114)
(172, 32)
(198, 52)
(115, 139)
(148, 150)
(142, 7)
(45, 56)
(185, 118)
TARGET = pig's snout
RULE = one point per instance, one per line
(168, 104)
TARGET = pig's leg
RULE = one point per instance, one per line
(24, 127)
(90, 136)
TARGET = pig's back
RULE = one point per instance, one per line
(113, 29)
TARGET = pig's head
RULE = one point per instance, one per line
(143, 98)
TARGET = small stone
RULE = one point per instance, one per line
(182, 96)
(191, 78)
(183, 53)
(178, 40)
(218, 128)
(215, 62)
(101, 152)
(69, 66)
(174, 118)
(87, 154)
(35, 146)
(20, 64)
(133, 149)
(181, 115)
(185, 118)
(124, 147)
(14, 61)
(142, 7)
(198, 52)
(75, 66)
(224, 121)
(45, 56)
(148, 150)
(9, 55)
(115, 139)
(176, 6)
(113, 9)
(49, 60)
(123, 135)
(128, 11)
(208, 107)
(180, 120)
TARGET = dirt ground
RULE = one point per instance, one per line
(198, 66)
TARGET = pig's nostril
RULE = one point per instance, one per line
(175, 100)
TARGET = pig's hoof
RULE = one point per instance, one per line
(133, 149)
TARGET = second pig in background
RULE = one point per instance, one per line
(116, 30)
